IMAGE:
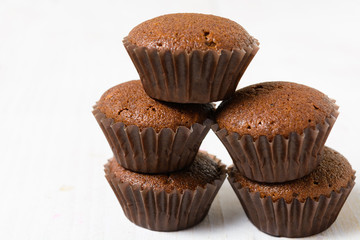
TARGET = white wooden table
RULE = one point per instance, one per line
(58, 57)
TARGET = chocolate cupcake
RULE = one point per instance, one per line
(299, 208)
(190, 57)
(150, 136)
(167, 202)
(274, 131)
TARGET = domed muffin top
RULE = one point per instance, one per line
(190, 31)
(333, 172)
(128, 103)
(205, 169)
(272, 108)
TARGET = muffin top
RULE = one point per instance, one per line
(333, 173)
(128, 103)
(190, 31)
(205, 169)
(272, 108)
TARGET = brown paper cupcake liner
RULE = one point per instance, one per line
(162, 211)
(295, 219)
(196, 77)
(280, 160)
(148, 151)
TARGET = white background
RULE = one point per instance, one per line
(58, 57)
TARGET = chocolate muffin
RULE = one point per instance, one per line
(129, 104)
(150, 136)
(167, 202)
(299, 208)
(190, 57)
(274, 131)
(190, 31)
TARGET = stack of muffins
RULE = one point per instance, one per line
(288, 183)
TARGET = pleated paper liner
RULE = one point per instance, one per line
(280, 160)
(148, 151)
(196, 77)
(164, 211)
(294, 219)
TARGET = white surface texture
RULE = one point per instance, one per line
(58, 57)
